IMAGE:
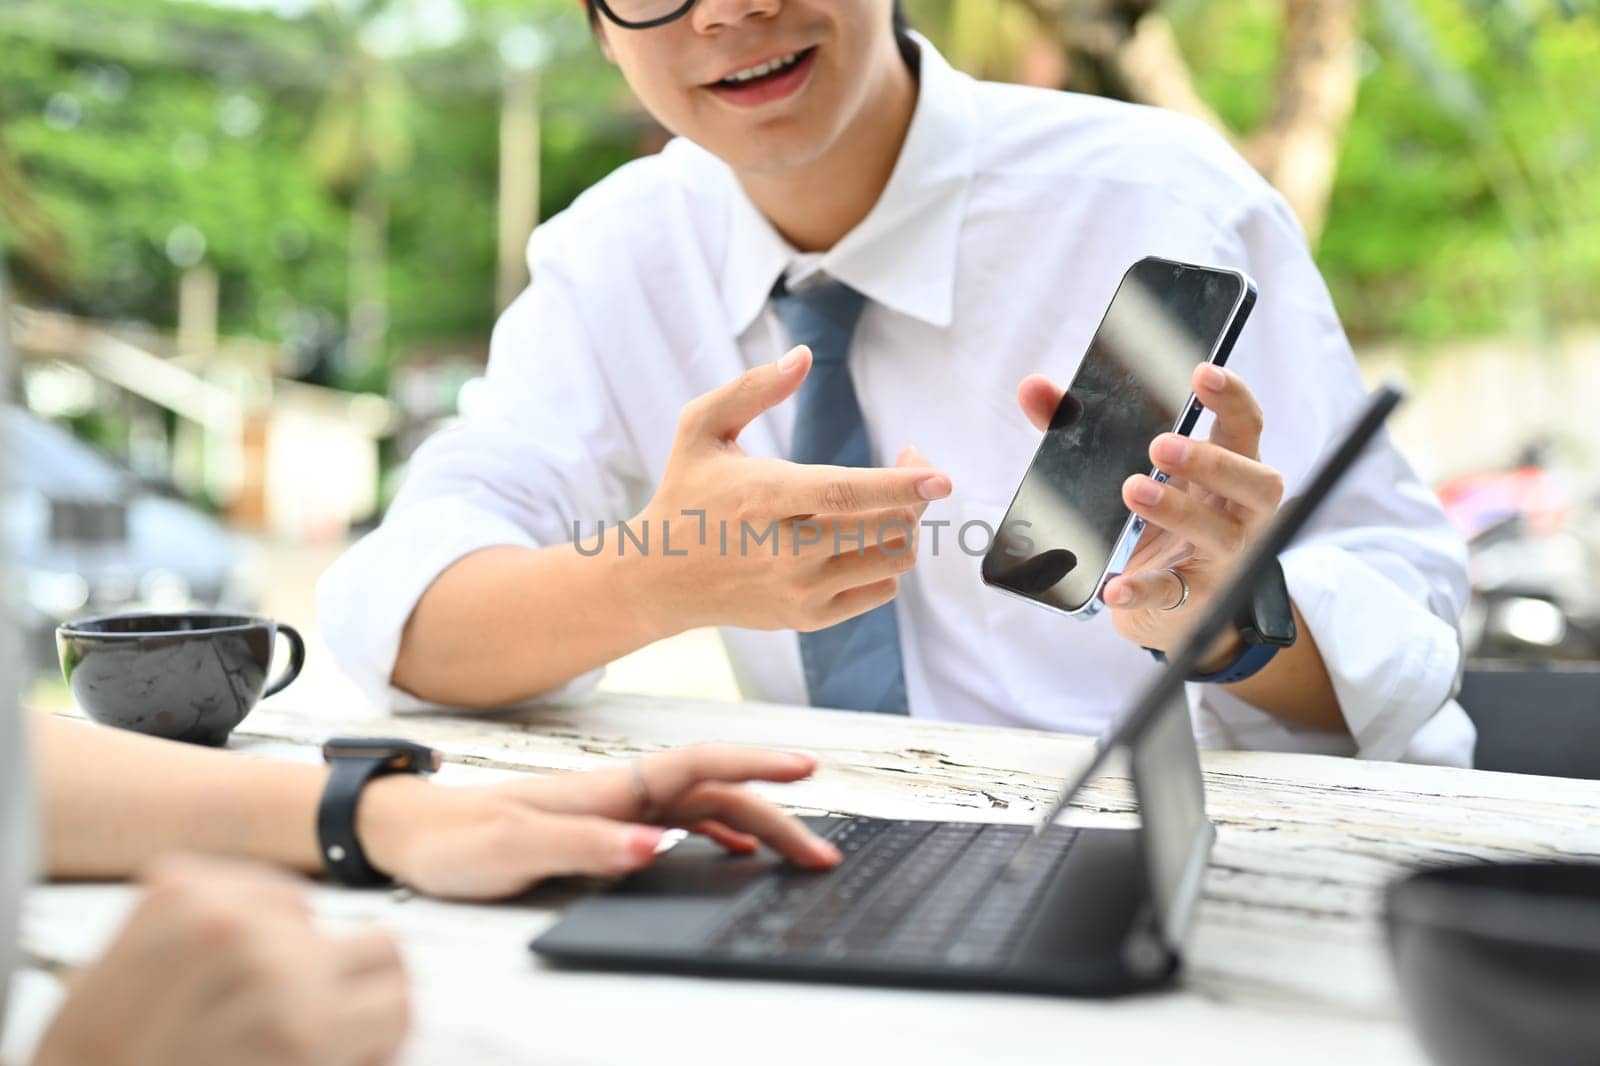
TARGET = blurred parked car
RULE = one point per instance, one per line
(82, 536)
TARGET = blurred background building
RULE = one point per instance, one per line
(251, 251)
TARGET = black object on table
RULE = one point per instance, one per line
(1499, 964)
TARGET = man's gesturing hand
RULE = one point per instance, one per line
(220, 963)
(770, 544)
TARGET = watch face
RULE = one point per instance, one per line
(1273, 623)
(399, 754)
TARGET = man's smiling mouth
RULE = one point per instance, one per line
(770, 68)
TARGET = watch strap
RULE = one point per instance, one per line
(342, 856)
(1249, 662)
(1259, 648)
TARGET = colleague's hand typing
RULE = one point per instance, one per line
(771, 544)
(1201, 522)
(497, 841)
(221, 963)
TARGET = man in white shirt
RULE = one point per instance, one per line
(981, 229)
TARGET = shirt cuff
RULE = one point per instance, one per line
(365, 599)
(1394, 664)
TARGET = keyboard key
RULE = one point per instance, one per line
(906, 892)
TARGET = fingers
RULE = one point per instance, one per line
(731, 839)
(368, 953)
(824, 538)
(1239, 419)
(669, 774)
(373, 1021)
(910, 456)
(722, 413)
(1039, 397)
(1151, 590)
(612, 793)
(744, 811)
(1211, 528)
(1246, 482)
(853, 569)
(541, 846)
(838, 490)
(373, 1008)
(859, 600)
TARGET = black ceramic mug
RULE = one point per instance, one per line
(1499, 963)
(189, 676)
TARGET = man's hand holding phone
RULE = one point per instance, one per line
(1200, 522)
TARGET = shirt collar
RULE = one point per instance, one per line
(903, 254)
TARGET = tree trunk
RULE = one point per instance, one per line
(42, 245)
(519, 182)
(1297, 149)
(1126, 49)
(369, 251)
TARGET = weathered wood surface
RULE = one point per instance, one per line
(1286, 955)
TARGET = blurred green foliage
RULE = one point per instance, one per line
(139, 123)
(1467, 199)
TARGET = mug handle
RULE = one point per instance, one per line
(297, 660)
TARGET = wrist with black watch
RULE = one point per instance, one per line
(1265, 626)
(355, 762)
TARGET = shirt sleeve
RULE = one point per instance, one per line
(539, 451)
(1379, 575)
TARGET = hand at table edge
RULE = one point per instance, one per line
(491, 842)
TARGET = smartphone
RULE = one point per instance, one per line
(1067, 530)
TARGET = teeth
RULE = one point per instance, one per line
(763, 69)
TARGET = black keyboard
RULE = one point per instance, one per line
(906, 893)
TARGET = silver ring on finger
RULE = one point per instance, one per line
(641, 792)
(1183, 589)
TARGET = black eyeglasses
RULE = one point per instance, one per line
(643, 14)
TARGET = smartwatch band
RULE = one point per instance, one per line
(336, 823)
(1248, 664)
(352, 765)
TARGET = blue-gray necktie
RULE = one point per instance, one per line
(854, 665)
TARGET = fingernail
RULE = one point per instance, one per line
(1146, 491)
(642, 841)
(790, 360)
(1213, 377)
(1120, 596)
(936, 487)
(828, 853)
(1172, 449)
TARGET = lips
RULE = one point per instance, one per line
(767, 80)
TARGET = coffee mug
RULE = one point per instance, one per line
(188, 676)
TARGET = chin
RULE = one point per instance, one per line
(750, 156)
(770, 148)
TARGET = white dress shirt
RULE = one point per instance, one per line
(1010, 217)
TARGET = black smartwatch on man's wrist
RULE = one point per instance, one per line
(354, 761)
(1265, 625)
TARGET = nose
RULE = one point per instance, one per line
(710, 16)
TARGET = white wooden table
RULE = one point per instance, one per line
(1286, 956)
